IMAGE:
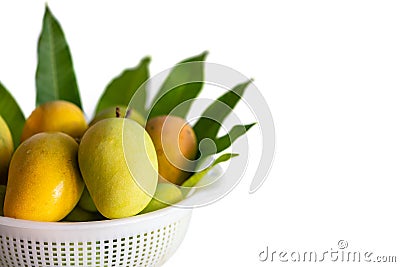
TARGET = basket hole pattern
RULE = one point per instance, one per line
(138, 249)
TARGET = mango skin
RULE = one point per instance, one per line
(176, 145)
(44, 182)
(111, 113)
(55, 116)
(118, 163)
(80, 215)
(86, 202)
(2, 195)
(166, 195)
(6, 150)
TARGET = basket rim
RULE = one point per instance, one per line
(140, 218)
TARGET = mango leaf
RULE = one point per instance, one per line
(55, 76)
(122, 88)
(226, 141)
(183, 83)
(195, 178)
(12, 114)
(210, 121)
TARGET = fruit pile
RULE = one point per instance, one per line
(115, 158)
(129, 160)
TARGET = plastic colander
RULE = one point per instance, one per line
(143, 240)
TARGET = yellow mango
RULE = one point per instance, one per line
(55, 116)
(6, 150)
(44, 182)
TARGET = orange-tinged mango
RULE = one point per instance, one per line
(176, 146)
(44, 182)
(55, 116)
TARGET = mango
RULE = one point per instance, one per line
(176, 146)
(44, 182)
(2, 195)
(55, 116)
(86, 202)
(6, 150)
(118, 163)
(166, 195)
(80, 215)
(123, 112)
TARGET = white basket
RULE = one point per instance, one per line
(144, 240)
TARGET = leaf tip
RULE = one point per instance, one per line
(249, 81)
(243, 86)
(204, 54)
(47, 8)
(251, 125)
(146, 60)
(48, 14)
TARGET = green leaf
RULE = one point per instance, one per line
(195, 178)
(226, 141)
(183, 83)
(55, 76)
(223, 158)
(122, 88)
(12, 114)
(211, 119)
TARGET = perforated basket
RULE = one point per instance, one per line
(144, 240)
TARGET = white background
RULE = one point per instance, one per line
(330, 72)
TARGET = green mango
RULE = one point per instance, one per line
(2, 196)
(118, 163)
(86, 202)
(123, 112)
(81, 215)
(166, 195)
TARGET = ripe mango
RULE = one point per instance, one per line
(44, 183)
(118, 163)
(123, 112)
(6, 150)
(55, 116)
(176, 145)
